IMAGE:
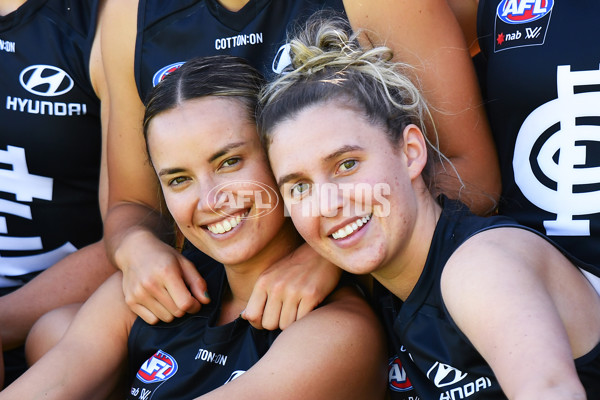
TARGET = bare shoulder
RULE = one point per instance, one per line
(336, 351)
(506, 248)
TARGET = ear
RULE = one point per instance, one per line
(415, 150)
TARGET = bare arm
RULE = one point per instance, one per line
(527, 310)
(155, 274)
(426, 35)
(466, 15)
(335, 352)
(92, 353)
(291, 288)
(72, 280)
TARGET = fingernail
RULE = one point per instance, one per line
(207, 295)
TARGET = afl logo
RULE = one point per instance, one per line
(282, 59)
(523, 11)
(398, 381)
(45, 80)
(164, 71)
(158, 368)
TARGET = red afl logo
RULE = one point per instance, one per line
(398, 381)
(164, 71)
(158, 368)
(523, 11)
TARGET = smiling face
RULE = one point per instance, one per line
(215, 178)
(352, 195)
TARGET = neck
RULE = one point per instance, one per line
(401, 274)
(242, 277)
(8, 6)
(233, 5)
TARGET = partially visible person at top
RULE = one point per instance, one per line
(147, 39)
(51, 83)
(202, 142)
(541, 77)
(475, 307)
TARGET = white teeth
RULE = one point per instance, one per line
(226, 225)
(350, 228)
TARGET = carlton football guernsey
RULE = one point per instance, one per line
(542, 93)
(173, 32)
(191, 355)
(430, 355)
(50, 137)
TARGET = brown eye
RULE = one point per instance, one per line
(347, 165)
(177, 181)
(230, 162)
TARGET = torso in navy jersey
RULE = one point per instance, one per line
(542, 86)
(439, 361)
(173, 32)
(191, 355)
(50, 137)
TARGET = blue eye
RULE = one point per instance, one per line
(299, 189)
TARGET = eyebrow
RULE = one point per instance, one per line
(225, 150)
(219, 153)
(336, 154)
(170, 171)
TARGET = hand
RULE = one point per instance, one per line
(155, 276)
(290, 289)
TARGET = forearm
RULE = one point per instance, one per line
(431, 41)
(71, 280)
(130, 221)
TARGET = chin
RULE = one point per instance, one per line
(357, 264)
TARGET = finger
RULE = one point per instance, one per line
(154, 314)
(305, 307)
(142, 302)
(289, 312)
(159, 299)
(195, 282)
(180, 296)
(272, 313)
(255, 307)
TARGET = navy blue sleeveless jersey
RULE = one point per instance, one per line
(542, 90)
(50, 137)
(172, 32)
(429, 354)
(192, 356)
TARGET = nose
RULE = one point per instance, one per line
(208, 194)
(331, 200)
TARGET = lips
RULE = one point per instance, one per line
(350, 228)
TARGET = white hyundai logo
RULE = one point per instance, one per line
(45, 80)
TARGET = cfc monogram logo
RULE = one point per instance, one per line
(551, 162)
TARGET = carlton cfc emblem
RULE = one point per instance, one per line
(523, 11)
(158, 368)
(398, 381)
(164, 71)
